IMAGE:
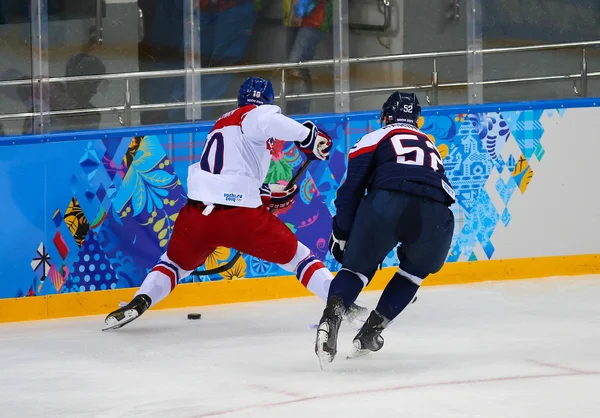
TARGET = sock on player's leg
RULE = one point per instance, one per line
(310, 271)
(161, 281)
(396, 296)
(156, 286)
(347, 285)
(313, 275)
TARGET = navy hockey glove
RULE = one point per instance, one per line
(276, 196)
(337, 243)
(317, 144)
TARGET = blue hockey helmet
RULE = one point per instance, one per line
(256, 90)
(400, 108)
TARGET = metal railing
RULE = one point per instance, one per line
(433, 87)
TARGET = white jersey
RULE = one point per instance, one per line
(237, 155)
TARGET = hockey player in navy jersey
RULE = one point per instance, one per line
(228, 203)
(395, 192)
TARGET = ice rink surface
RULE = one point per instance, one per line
(522, 349)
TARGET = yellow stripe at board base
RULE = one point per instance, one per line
(248, 290)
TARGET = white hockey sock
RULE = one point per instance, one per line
(311, 272)
(161, 281)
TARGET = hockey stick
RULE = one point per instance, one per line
(237, 255)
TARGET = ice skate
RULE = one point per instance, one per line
(327, 332)
(127, 313)
(369, 337)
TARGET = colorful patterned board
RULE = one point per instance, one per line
(98, 213)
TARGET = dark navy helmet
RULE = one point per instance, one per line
(400, 108)
(256, 90)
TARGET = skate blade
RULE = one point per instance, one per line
(113, 323)
(356, 353)
(325, 357)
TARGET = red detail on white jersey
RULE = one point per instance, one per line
(233, 118)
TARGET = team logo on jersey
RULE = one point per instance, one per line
(233, 197)
(270, 143)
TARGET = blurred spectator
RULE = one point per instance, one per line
(162, 49)
(14, 11)
(307, 22)
(77, 94)
(68, 96)
(225, 28)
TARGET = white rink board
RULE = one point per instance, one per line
(559, 213)
(503, 349)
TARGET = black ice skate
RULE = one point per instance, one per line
(369, 337)
(327, 332)
(127, 313)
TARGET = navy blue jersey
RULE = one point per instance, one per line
(396, 157)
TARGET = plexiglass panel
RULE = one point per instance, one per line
(390, 27)
(508, 23)
(15, 65)
(110, 63)
(270, 32)
(98, 37)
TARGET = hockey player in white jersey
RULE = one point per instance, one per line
(228, 204)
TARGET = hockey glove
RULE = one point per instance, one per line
(265, 194)
(317, 144)
(337, 243)
(276, 196)
(282, 197)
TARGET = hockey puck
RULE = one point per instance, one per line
(194, 316)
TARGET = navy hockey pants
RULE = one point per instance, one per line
(385, 218)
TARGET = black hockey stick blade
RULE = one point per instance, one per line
(237, 255)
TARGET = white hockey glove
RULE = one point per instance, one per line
(317, 144)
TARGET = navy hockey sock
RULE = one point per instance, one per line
(347, 285)
(397, 295)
